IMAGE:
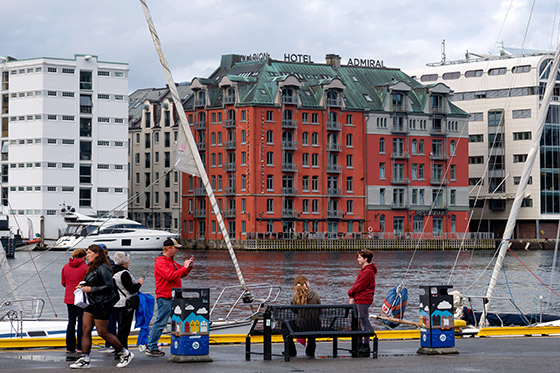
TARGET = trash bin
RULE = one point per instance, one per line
(436, 313)
(190, 323)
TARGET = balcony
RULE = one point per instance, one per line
(334, 214)
(199, 192)
(230, 191)
(229, 167)
(400, 180)
(399, 205)
(399, 108)
(334, 168)
(439, 181)
(200, 125)
(198, 102)
(289, 167)
(439, 156)
(334, 102)
(289, 124)
(229, 123)
(200, 213)
(334, 147)
(228, 213)
(86, 86)
(399, 128)
(438, 110)
(289, 145)
(333, 125)
(229, 145)
(289, 213)
(229, 100)
(334, 192)
(438, 130)
(289, 100)
(289, 191)
(400, 155)
(201, 146)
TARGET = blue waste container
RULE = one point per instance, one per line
(436, 313)
(190, 321)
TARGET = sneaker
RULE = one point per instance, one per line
(82, 363)
(106, 350)
(126, 358)
(156, 353)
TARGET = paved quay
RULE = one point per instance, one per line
(533, 354)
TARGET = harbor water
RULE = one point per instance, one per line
(331, 274)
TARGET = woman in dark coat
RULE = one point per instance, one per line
(99, 289)
(361, 294)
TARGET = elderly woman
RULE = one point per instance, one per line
(128, 287)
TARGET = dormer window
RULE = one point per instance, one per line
(437, 104)
(229, 96)
(289, 96)
(333, 98)
(200, 99)
(398, 102)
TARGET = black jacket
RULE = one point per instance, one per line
(101, 282)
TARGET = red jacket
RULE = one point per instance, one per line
(168, 274)
(364, 287)
(72, 273)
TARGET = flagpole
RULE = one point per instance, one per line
(199, 170)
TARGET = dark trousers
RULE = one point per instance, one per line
(124, 322)
(363, 318)
(310, 347)
(75, 314)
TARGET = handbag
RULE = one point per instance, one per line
(80, 299)
(133, 302)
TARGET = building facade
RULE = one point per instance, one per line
(155, 189)
(502, 95)
(64, 139)
(292, 149)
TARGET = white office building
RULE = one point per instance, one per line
(64, 140)
(502, 95)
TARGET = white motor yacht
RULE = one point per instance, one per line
(116, 233)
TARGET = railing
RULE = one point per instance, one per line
(200, 125)
(289, 191)
(292, 100)
(289, 145)
(201, 146)
(399, 205)
(439, 181)
(86, 86)
(199, 102)
(289, 167)
(289, 213)
(399, 128)
(399, 108)
(229, 167)
(199, 192)
(333, 125)
(200, 213)
(334, 147)
(229, 191)
(228, 213)
(236, 304)
(438, 110)
(439, 156)
(289, 123)
(334, 102)
(334, 214)
(229, 99)
(400, 155)
(229, 145)
(334, 192)
(229, 123)
(400, 180)
(438, 130)
(334, 168)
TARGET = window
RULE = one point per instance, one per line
(452, 172)
(349, 119)
(452, 75)
(429, 78)
(269, 115)
(473, 73)
(305, 159)
(476, 138)
(382, 145)
(476, 160)
(269, 137)
(519, 114)
(519, 158)
(349, 161)
(522, 136)
(382, 171)
(521, 69)
(270, 205)
(421, 147)
(315, 183)
(315, 139)
(495, 118)
(453, 197)
(270, 183)
(305, 206)
(349, 141)
(517, 180)
(314, 160)
(315, 206)
(305, 139)
(305, 183)
(350, 184)
(497, 71)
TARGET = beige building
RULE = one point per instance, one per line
(155, 188)
(502, 95)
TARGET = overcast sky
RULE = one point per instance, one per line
(195, 33)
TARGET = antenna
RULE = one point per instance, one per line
(443, 52)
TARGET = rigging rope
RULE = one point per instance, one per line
(533, 274)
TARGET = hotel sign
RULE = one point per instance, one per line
(364, 62)
(255, 57)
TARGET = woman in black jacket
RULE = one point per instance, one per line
(99, 289)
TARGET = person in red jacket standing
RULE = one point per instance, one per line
(168, 274)
(361, 294)
(72, 273)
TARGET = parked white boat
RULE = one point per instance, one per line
(117, 233)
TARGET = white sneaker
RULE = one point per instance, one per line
(126, 358)
(106, 350)
(81, 363)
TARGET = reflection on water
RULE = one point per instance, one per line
(330, 273)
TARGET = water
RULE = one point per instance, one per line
(331, 274)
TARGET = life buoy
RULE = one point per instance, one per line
(370, 229)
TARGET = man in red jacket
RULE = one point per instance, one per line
(168, 274)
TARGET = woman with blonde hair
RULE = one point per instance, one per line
(304, 295)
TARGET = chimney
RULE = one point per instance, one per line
(333, 59)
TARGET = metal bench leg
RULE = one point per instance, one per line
(375, 346)
(248, 348)
(335, 347)
(355, 346)
(287, 340)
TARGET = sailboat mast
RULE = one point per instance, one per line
(531, 157)
(201, 171)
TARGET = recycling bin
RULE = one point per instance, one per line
(190, 321)
(436, 314)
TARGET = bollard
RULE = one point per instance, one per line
(190, 323)
(437, 335)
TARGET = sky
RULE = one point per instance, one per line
(404, 34)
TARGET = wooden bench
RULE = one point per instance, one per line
(306, 321)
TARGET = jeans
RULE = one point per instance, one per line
(363, 318)
(163, 314)
(74, 314)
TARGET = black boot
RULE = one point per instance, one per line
(363, 350)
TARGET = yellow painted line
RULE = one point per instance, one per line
(518, 330)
